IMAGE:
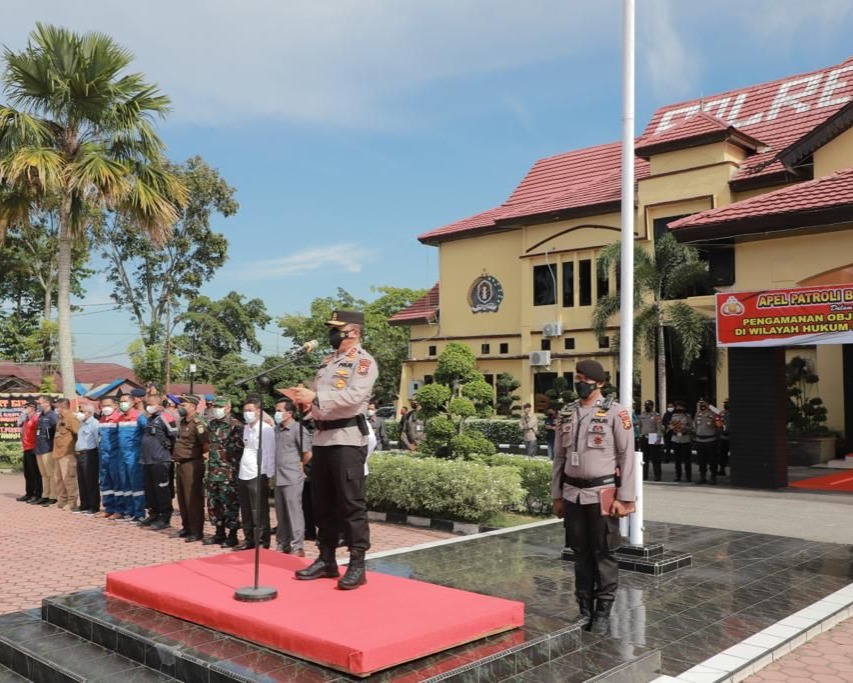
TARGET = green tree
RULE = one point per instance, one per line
(76, 133)
(456, 365)
(505, 386)
(147, 278)
(673, 271)
(387, 343)
(806, 413)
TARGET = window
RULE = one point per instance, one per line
(569, 284)
(602, 284)
(545, 345)
(569, 343)
(604, 342)
(490, 379)
(432, 351)
(585, 283)
(504, 347)
(570, 379)
(544, 285)
(428, 379)
(485, 349)
(660, 224)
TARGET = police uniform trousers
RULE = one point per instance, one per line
(683, 454)
(88, 466)
(308, 512)
(32, 475)
(158, 490)
(337, 483)
(708, 453)
(189, 485)
(250, 504)
(724, 454)
(593, 539)
(651, 454)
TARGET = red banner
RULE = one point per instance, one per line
(786, 317)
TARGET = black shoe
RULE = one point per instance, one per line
(159, 525)
(600, 624)
(677, 479)
(244, 546)
(192, 538)
(354, 577)
(584, 612)
(45, 502)
(213, 540)
(149, 520)
(183, 533)
(231, 539)
(319, 569)
(657, 478)
(23, 499)
(713, 481)
(35, 500)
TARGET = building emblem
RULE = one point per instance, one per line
(486, 294)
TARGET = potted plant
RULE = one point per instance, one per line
(809, 440)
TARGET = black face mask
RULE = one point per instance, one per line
(336, 337)
(584, 389)
(182, 412)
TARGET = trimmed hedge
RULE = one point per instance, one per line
(445, 489)
(504, 431)
(11, 454)
(535, 480)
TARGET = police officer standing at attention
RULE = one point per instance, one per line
(189, 454)
(593, 451)
(337, 404)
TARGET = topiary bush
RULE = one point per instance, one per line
(471, 446)
(12, 455)
(444, 489)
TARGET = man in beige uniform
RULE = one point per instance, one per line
(594, 439)
(337, 403)
(65, 456)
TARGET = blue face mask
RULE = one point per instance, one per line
(249, 416)
(278, 417)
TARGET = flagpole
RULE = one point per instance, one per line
(626, 333)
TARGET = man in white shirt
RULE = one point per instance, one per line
(256, 434)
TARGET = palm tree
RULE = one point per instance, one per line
(76, 132)
(673, 272)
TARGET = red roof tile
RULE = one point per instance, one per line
(691, 132)
(424, 310)
(84, 373)
(574, 180)
(777, 113)
(830, 191)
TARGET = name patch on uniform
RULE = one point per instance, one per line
(363, 366)
(599, 420)
(626, 419)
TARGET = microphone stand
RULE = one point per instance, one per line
(256, 593)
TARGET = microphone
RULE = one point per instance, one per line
(296, 351)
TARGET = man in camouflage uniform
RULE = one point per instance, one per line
(220, 481)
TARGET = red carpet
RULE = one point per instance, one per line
(839, 481)
(387, 622)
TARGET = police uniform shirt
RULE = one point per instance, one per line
(603, 438)
(192, 441)
(706, 425)
(649, 423)
(682, 428)
(344, 385)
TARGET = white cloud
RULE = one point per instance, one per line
(347, 257)
(671, 66)
(343, 62)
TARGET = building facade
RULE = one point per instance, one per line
(759, 179)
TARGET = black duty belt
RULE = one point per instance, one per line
(590, 483)
(336, 424)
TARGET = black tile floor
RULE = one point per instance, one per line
(739, 583)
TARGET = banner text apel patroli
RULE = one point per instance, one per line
(786, 317)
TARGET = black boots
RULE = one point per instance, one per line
(600, 624)
(231, 540)
(324, 567)
(584, 611)
(355, 575)
(149, 520)
(217, 539)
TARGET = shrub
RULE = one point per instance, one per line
(535, 480)
(471, 446)
(392, 428)
(12, 455)
(453, 490)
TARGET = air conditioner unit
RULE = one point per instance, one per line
(540, 358)
(414, 386)
(552, 330)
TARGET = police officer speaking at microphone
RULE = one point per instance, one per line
(338, 402)
(593, 454)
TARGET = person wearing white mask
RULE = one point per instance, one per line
(292, 453)
(220, 481)
(87, 461)
(109, 460)
(257, 435)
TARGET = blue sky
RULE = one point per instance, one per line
(348, 127)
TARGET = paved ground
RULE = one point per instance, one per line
(46, 551)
